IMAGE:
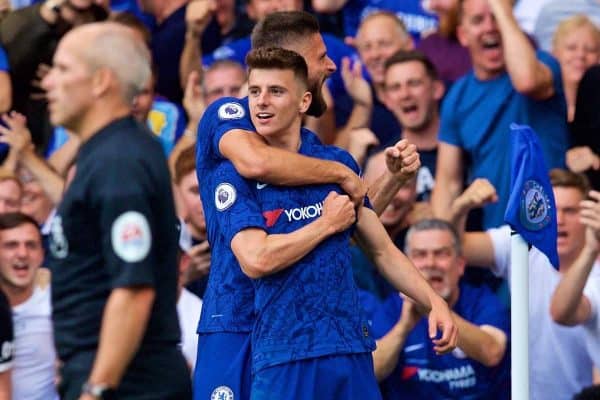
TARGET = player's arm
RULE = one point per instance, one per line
(402, 274)
(261, 254)
(448, 179)
(256, 160)
(528, 75)
(124, 322)
(569, 304)
(403, 163)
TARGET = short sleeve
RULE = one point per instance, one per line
(236, 204)
(346, 158)
(128, 226)
(500, 238)
(219, 118)
(554, 66)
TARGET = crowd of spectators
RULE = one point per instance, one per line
(450, 76)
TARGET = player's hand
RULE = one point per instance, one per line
(338, 212)
(199, 261)
(478, 194)
(356, 85)
(193, 100)
(359, 142)
(402, 160)
(198, 14)
(580, 159)
(354, 187)
(440, 318)
(15, 133)
(589, 215)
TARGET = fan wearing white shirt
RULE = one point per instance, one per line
(562, 358)
(34, 357)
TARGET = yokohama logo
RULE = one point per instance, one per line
(298, 214)
(294, 214)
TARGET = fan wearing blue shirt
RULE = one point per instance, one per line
(406, 363)
(226, 132)
(510, 83)
(309, 339)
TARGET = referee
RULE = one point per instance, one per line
(113, 242)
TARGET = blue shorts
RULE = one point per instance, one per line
(223, 367)
(337, 377)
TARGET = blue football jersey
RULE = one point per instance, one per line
(228, 291)
(312, 308)
(229, 297)
(422, 374)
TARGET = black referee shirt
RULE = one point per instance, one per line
(115, 227)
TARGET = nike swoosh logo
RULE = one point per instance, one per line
(413, 347)
(260, 185)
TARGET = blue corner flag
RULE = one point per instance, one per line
(531, 210)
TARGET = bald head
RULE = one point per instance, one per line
(115, 47)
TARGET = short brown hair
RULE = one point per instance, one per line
(403, 56)
(281, 29)
(185, 163)
(12, 220)
(278, 58)
(567, 179)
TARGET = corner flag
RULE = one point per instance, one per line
(531, 210)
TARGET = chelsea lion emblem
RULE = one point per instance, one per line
(534, 212)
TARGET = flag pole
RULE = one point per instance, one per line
(519, 317)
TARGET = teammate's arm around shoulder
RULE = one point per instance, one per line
(254, 159)
(402, 274)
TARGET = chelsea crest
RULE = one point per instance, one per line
(534, 212)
